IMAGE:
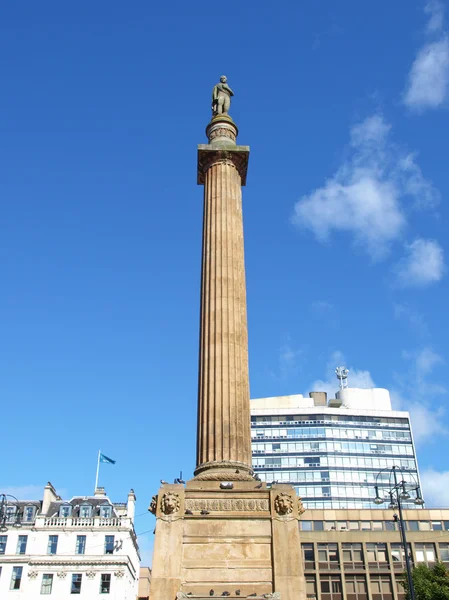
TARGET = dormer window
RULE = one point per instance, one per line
(28, 513)
(85, 510)
(65, 510)
(106, 511)
(10, 512)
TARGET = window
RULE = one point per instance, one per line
(306, 525)
(381, 587)
(413, 525)
(10, 512)
(109, 544)
(390, 525)
(437, 526)
(352, 553)
(47, 583)
(398, 556)
(444, 552)
(424, 525)
(318, 525)
(76, 583)
(80, 544)
(329, 525)
(85, 510)
(376, 553)
(328, 556)
(106, 511)
(65, 510)
(356, 588)
(3, 540)
(22, 544)
(310, 587)
(105, 585)
(425, 553)
(354, 525)
(330, 587)
(52, 544)
(16, 578)
(28, 513)
(308, 556)
(377, 525)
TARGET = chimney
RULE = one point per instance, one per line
(319, 398)
(49, 497)
(100, 492)
(131, 506)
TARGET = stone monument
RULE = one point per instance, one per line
(224, 533)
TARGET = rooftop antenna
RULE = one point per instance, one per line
(342, 376)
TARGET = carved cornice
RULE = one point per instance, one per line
(236, 156)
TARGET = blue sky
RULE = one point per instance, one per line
(345, 107)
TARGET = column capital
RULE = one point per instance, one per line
(209, 154)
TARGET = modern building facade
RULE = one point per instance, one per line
(85, 546)
(331, 451)
(358, 555)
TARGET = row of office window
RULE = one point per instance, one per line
(345, 447)
(354, 420)
(372, 525)
(353, 462)
(327, 432)
(356, 477)
(381, 587)
(52, 545)
(327, 555)
(47, 582)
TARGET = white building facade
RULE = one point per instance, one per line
(332, 451)
(84, 547)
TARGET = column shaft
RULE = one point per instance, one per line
(223, 402)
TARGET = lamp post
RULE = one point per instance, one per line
(397, 491)
(4, 514)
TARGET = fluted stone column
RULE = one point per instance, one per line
(224, 437)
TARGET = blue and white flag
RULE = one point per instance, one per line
(106, 459)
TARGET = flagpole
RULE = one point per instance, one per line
(98, 471)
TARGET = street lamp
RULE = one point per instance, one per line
(397, 492)
(4, 512)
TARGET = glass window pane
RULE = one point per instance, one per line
(306, 525)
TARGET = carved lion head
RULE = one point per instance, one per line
(170, 503)
(283, 504)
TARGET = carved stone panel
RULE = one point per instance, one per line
(228, 504)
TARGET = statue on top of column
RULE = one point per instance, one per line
(221, 97)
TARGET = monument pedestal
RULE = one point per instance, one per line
(243, 541)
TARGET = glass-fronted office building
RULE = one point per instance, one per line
(332, 451)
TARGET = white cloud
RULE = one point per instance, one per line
(364, 196)
(435, 488)
(417, 394)
(428, 80)
(428, 83)
(435, 10)
(289, 364)
(422, 265)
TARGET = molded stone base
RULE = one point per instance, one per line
(244, 541)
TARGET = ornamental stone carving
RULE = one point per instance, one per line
(170, 503)
(228, 504)
(301, 508)
(119, 574)
(181, 596)
(62, 574)
(273, 596)
(283, 504)
(32, 574)
(90, 574)
(153, 505)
